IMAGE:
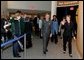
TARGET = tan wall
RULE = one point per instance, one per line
(4, 11)
(3, 7)
(30, 5)
(80, 29)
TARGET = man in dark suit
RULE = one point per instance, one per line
(17, 29)
(46, 25)
(67, 35)
(28, 31)
(36, 26)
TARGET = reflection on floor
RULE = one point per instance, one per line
(55, 51)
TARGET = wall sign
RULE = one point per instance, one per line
(67, 3)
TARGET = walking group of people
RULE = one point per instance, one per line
(19, 24)
(51, 29)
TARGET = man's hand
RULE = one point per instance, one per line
(74, 38)
(51, 35)
(62, 23)
(6, 30)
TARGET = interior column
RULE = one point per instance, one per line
(53, 8)
(80, 29)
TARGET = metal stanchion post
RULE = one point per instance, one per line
(24, 46)
(1, 54)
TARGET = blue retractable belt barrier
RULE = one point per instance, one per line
(12, 40)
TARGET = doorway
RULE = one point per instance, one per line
(71, 10)
(62, 11)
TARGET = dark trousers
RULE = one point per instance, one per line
(36, 30)
(54, 37)
(69, 40)
(45, 43)
(16, 47)
(40, 33)
(28, 40)
(15, 44)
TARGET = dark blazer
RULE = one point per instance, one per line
(35, 22)
(28, 27)
(18, 27)
(46, 28)
(68, 29)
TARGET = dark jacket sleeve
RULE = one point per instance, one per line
(22, 24)
(12, 26)
(42, 27)
(73, 30)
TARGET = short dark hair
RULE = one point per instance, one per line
(18, 11)
(54, 15)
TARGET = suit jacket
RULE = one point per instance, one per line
(68, 30)
(28, 27)
(35, 22)
(12, 26)
(46, 25)
(17, 26)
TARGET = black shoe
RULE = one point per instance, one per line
(47, 50)
(21, 50)
(44, 52)
(17, 56)
(64, 52)
(70, 55)
(40, 37)
(55, 42)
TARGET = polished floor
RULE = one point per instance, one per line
(55, 51)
